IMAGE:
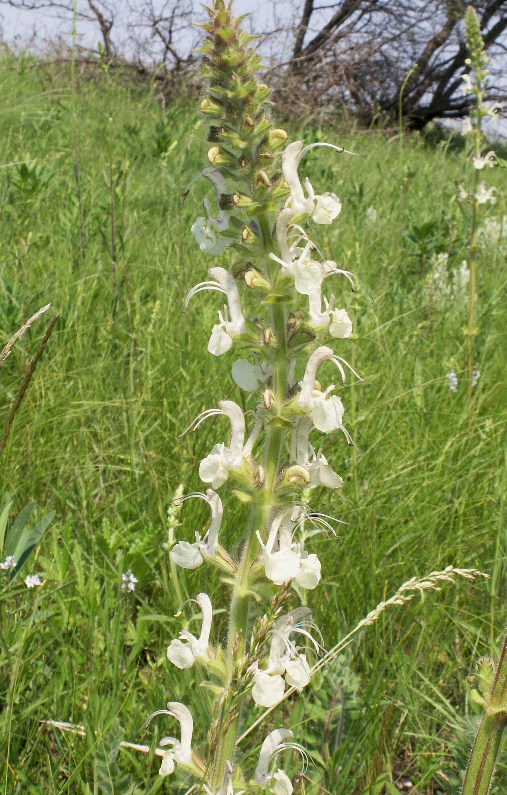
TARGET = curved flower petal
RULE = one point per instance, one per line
(309, 575)
(267, 689)
(297, 672)
(340, 325)
(186, 555)
(327, 413)
(327, 208)
(220, 341)
(180, 654)
(281, 783)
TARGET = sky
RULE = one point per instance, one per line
(20, 27)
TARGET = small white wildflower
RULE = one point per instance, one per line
(186, 649)
(8, 563)
(484, 194)
(179, 752)
(493, 231)
(488, 160)
(467, 86)
(268, 688)
(215, 468)
(494, 111)
(452, 381)
(371, 215)
(476, 374)
(33, 581)
(209, 240)
(463, 195)
(128, 581)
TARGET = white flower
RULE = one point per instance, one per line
(285, 658)
(128, 581)
(476, 374)
(327, 208)
(215, 468)
(303, 453)
(231, 321)
(268, 689)
(487, 160)
(467, 86)
(371, 215)
(325, 409)
(484, 194)
(322, 208)
(33, 581)
(321, 473)
(340, 325)
(283, 558)
(463, 195)
(191, 556)
(494, 111)
(207, 231)
(250, 377)
(225, 330)
(180, 752)
(281, 783)
(208, 238)
(297, 672)
(8, 563)
(452, 381)
(266, 773)
(309, 574)
(183, 652)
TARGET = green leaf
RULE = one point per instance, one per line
(4, 517)
(21, 540)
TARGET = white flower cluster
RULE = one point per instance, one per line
(303, 408)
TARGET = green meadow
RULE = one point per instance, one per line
(94, 221)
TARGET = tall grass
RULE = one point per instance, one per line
(96, 439)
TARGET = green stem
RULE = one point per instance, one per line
(260, 517)
(472, 248)
(481, 765)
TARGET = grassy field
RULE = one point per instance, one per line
(93, 221)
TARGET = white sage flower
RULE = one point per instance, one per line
(484, 195)
(215, 468)
(467, 86)
(208, 231)
(323, 208)
(231, 321)
(191, 556)
(321, 473)
(207, 236)
(267, 773)
(486, 161)
(186, 649)
(285, 658)
(179, 751)
(283, 558)
(268, 689)
(325, 409)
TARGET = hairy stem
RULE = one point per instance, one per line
(482, 761)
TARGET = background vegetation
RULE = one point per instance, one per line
(93, 220)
